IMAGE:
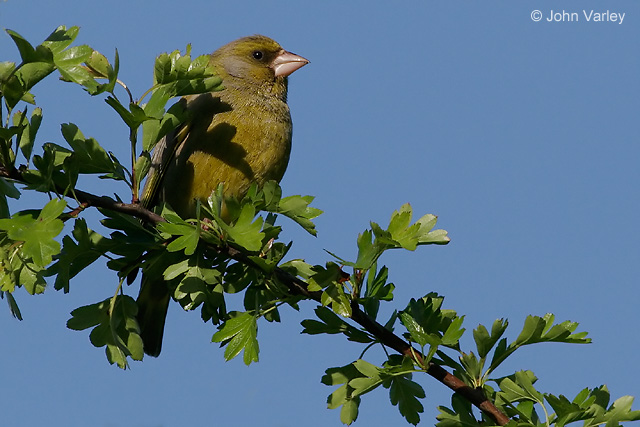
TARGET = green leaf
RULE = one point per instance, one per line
(246, 232)
(454, 332)
(61, 38)
(426, 235)
(133, 116)
(343, 396)
(200, 282)
(37, 233)
(400, 229)
(565, 411)
(69, 64)
(27, 76)
(75, 257)
(518, 387)
(349, 411)
(335, 296)
(91, 156)
(377, 286)
(239, 333)
(27, 52)
(377, 290)
(404, 393)
(333, 324)
(619, 411)
(428, 324)
(31, 277)
(340, 375)
(418, 333)
(155, 129)
(484, 340)
(590, 406)
(99, 67)
(539, 329)
(187, 241)
(9, 189)
(472, 368)
(6, 69)
(297, 208)
(367, 252)
(460, 416)
(114, 327)
(28, 136)
(88, 316)
(176, 75)
(238, 276)
(322, 277)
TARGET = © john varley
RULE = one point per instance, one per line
(588, 15)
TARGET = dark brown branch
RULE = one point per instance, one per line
(298, 286)
(388, 338)
(133, 209)
(88, 199)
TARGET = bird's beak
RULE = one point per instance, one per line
(286, 63)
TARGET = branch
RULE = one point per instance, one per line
(388, 338)
(298, 286)
(88, 199)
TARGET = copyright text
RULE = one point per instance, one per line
(583, 15)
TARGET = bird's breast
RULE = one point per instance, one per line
(235, 143)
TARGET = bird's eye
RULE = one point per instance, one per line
(257, 54)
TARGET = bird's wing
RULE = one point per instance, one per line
(162, 155)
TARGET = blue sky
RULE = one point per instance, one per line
(521, 136)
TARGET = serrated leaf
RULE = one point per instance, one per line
(484, 340)
(418, 334)
(333, 324)
(367, 369)
(367, 252)
(520, 387)
(453, 333)
(61, 38)
(91, 157)
(400, 229)
(28, 136)
(88, 316)
(460, 416)
(335, 296)
(187, 242)
(246, 232)
(37, 234)
(472, 367)
(539, 329)
(404, 393)
(27, 52)
(349, 411)
(155, 129)
(75, 257)
(9, 189)
(239, 333)
(340, 375)
(297, 208)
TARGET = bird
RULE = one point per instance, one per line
(236, 136)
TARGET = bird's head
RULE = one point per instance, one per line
(256, 61)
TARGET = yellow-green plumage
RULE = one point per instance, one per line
(236, 136)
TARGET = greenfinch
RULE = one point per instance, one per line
(237, 136)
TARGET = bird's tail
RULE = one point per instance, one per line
(153, 302)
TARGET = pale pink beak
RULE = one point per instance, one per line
(287, 62)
